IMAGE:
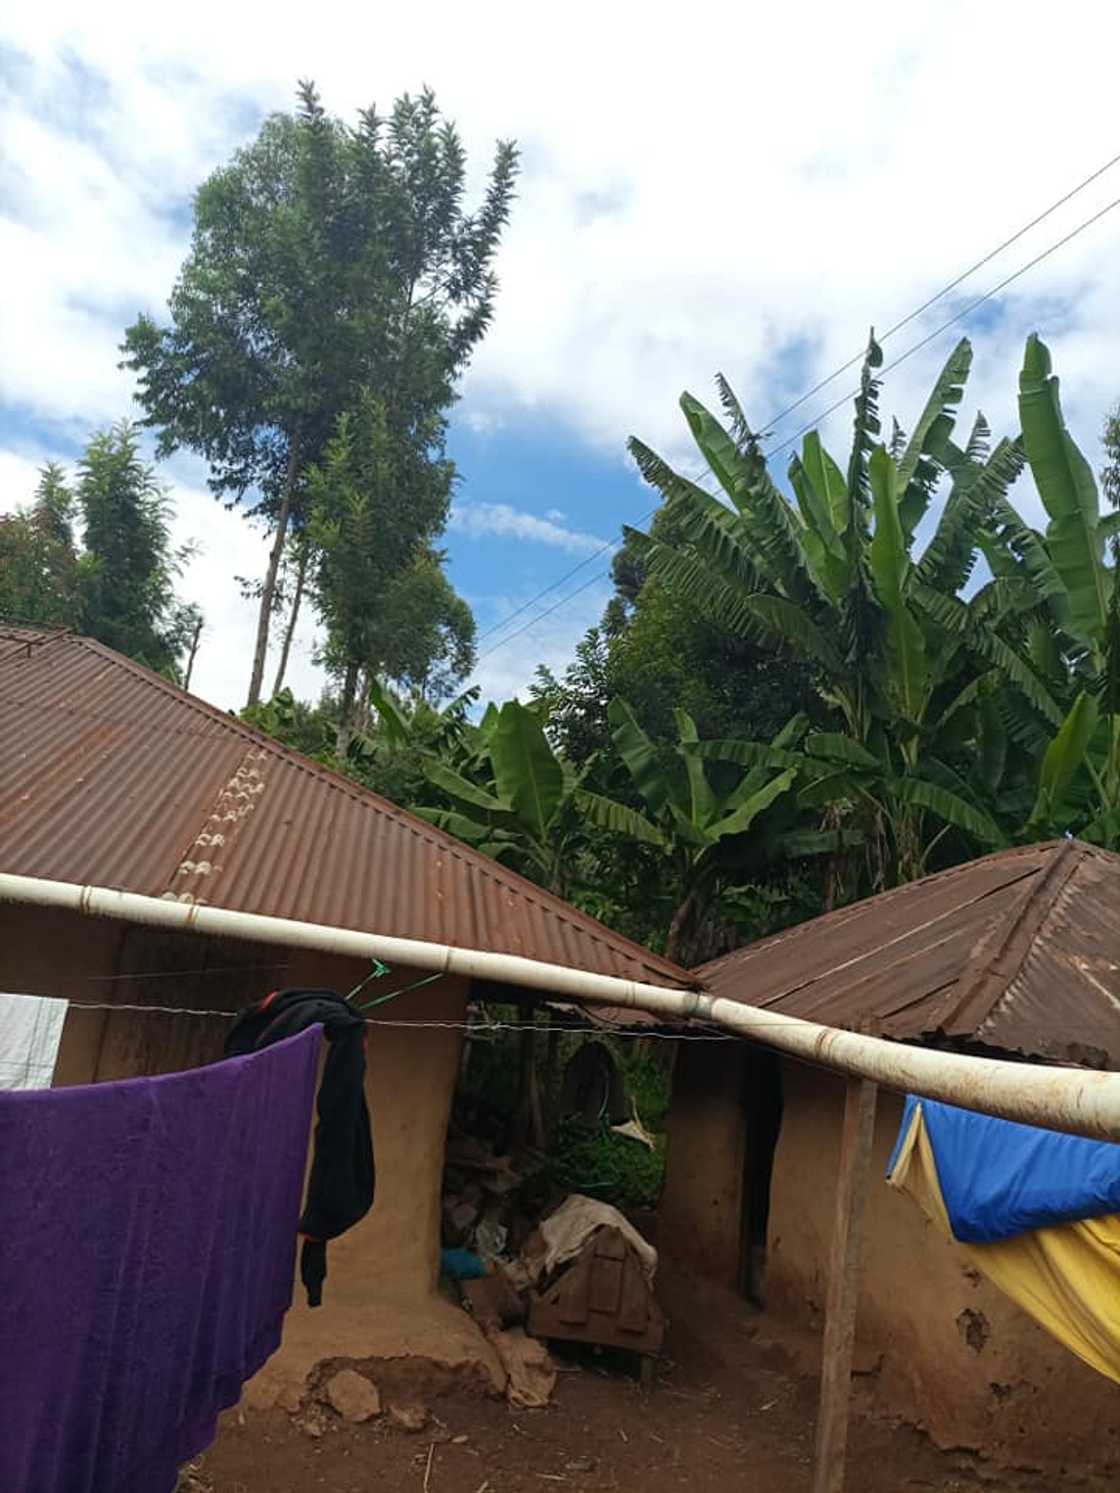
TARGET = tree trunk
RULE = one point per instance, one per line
(836, 864)
(289, 631)
(193, 653)
(680, 928)
(346, 710)
(878, 852)
(264, 617)
(908, 845)
(363, 713)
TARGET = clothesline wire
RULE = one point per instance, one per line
(480, 1027)
(176, 974)
(458, 1026)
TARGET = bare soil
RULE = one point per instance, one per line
(728, 1409)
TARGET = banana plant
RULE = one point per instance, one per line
(1068, 640)
(715, 829)
(876, 806)
(833, 579)
(415, 723)
(519, 801)
(806, 577)
(1079, 777)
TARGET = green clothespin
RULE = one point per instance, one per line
(375, 973)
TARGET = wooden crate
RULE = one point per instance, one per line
(603, 1298)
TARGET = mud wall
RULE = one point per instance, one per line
(700, 1217)
(936, 1344)
(381, 1298)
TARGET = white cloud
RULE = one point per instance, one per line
(484, 422)
(675, 216)
(506, 522)
(230, 547)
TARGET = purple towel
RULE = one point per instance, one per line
(147, 1250)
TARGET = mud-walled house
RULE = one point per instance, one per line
(1016, 955)
(112, 777)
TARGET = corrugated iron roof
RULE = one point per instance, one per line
(1019, 951)
(111, 776)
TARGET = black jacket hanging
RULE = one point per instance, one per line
(340, 1190)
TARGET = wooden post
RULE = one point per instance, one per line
(843, 1286)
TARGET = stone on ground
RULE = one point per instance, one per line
(353, 1396)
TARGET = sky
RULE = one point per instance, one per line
(740, 189)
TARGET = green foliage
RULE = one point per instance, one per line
(1068, 632)
(941, 717)
(128, 598)
(304, 728)
(1064, 757)
(606, 1166)
(834, 584)
(41, 572)
(649, 1081)
(118, 586)
(328, 264)
(512, 796)
(1065, 484)
(377, 501)
(581, 1158)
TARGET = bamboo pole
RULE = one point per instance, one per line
(1073, 1100)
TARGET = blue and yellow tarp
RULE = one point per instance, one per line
(1037, 1212)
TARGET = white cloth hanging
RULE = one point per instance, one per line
(30, 1032)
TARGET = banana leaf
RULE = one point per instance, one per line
(890, 565)
(1064, 758)
(948, 807)
(1069, 494)
(617, 818)
(527, 773)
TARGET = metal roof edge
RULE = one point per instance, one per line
(898, 893)
(518, 885)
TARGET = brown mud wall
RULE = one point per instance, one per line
(938, 1345)
(381, 1298)
(700, 1216)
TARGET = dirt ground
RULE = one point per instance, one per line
(727, 1410)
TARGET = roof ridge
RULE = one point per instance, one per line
(894, 893)
(548, 902)
(998, 956)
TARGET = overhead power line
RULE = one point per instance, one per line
(832, 408)
(960, 316)
(555, 607)
(823, 384)
(946, 290)
(575, 570)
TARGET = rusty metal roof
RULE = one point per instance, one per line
(1019, 951)
(111, 776)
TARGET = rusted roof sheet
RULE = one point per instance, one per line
(1019, 951)
(110, 776)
